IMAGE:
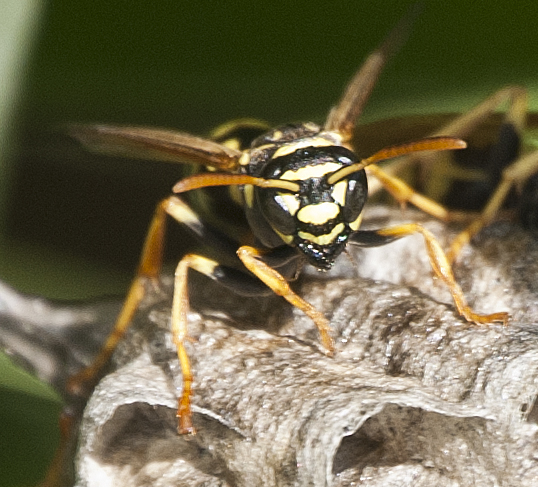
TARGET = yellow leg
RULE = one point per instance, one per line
(516, 96)
(463, 126)
(83, 382)
(272, 279)
(180, 307)
(514, 174)
(443, 270)
(404, 194)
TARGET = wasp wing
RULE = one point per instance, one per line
(155, 144)
(343, 116)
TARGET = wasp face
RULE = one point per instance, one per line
(319, 218)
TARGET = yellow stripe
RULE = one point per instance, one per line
(309, 142)
(287, 239)
(244, 159)
(234, 144)
(308, 172)
(203, 264)
(319, 213)
(181, 212)
(323, 239)
(224, 129)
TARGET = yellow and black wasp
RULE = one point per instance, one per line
(298, 192)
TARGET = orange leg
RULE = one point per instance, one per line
(272, 279)
(180, 307)
(148, 270)
(462, 126)
(404, 194)
(442, 269)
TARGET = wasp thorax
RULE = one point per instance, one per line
(320, 217)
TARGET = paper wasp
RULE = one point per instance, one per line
(299, 191)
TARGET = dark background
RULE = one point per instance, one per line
(75, 222)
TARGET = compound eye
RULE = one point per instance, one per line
(279, 208)
(356, 195)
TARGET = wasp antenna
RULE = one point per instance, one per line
(428, 144)
(343, 117)
(204, 180)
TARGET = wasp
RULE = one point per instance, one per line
(298, 192)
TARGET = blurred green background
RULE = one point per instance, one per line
(72, 224)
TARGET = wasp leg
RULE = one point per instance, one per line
(251, 258)
(438, 260)
(446, 169)
(149, 268)
(462, 127)
(515, 174)
(180, 306)
(82, 383)
(403, 193)
(239, 281)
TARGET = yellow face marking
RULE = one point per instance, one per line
(356, 224)
(288, 201)
(339, 192)
(319, 213)
(308, 142)
(311, 171)
(323, 239)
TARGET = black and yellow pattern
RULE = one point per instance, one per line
(298, 191)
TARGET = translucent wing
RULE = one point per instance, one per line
(343, 116)
(155, 144)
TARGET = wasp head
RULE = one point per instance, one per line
(319, 218)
